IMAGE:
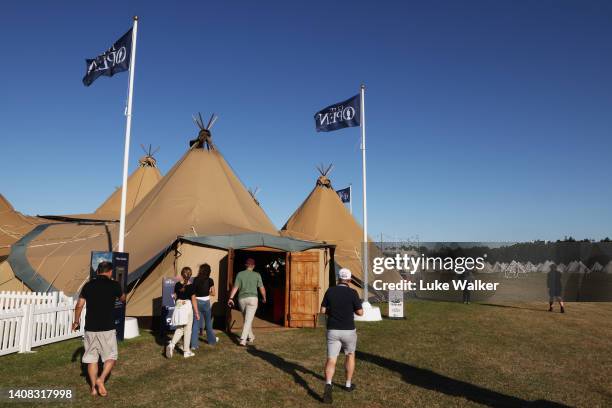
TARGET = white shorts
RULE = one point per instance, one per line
(100, 344)
(341, 340)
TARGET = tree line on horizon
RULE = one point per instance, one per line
(561, 251)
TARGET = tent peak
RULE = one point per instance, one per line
(148, 160)
(204, 139)
(324, 171)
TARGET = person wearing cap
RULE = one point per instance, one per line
(247, 283)
(340, 303)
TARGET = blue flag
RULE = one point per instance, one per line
(115, 59)
(345, 194)
(339, 115)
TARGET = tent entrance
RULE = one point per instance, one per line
(270, 264)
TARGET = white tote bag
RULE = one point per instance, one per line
(180, 316)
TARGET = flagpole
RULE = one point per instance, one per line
(128, 131)
(351, 197)
(365, 204)
(370, 313)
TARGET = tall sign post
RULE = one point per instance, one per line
(128, 131)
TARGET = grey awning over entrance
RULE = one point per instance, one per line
(233, 241)
(244, 241)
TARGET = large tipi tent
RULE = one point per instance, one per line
(323, 217)
(200, 195)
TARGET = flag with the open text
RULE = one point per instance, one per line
(344, 194)
(115, 59)
(339, 115)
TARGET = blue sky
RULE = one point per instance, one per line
(487, 120)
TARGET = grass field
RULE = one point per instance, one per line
(443, 354)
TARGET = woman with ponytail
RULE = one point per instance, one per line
(203, 290)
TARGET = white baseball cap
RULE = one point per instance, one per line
(344, 274)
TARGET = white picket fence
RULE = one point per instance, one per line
(14, 300)
(30, 320)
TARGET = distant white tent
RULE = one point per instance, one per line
(574, 267)
(545, 266)
(514, 269)
(488, 268)
(583, 268)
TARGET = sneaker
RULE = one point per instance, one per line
(169, 350)
(188, 354)
(349, 389)
(550, 309)
(327, 394)
(251, 340)
(242, 343)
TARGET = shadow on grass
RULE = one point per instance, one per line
(160, 334)
(543, 309)
(235, 338)
(436, 382)
(78, 356)
(161, 339)
(290, 368)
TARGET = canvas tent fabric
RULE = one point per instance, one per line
(13, 226)
(323, 217)
(8, 280)
(200, 195)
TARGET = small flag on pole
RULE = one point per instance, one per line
(115, 59)
(345, 194)
(340, 115)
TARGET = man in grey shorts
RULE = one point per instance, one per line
(340, 304)
(100, 338)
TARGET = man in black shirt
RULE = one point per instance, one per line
(340, 304)
(100, 337)
(554, 287)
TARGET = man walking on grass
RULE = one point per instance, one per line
(340, 304)
(99, 294)
(555, 288)
(248, 282)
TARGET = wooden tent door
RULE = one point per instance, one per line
(303, 289)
